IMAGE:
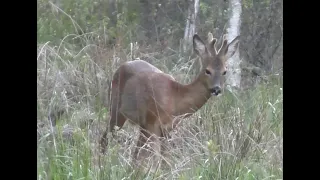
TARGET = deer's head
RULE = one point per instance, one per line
(214, 62)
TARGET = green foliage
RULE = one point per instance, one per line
(247, 4)
(87, 21)
(240, 134)
(55, 21)
(76, 160)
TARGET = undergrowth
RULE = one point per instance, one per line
(238, 135)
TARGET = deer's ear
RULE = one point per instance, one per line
(199, 46)
(232, 47)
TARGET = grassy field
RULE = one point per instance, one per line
(234, 136)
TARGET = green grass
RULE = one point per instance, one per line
(235, 136)
(243, 142)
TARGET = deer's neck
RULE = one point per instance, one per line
(191, 97)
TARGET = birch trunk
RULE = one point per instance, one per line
(190, 28)
(234, 77)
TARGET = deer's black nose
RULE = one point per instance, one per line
(216, 90)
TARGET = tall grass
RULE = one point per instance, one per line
(235, 136)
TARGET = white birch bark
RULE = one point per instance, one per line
(234, 77)
(190, 23)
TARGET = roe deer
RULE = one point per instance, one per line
(151, 99)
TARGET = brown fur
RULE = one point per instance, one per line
(151, 99)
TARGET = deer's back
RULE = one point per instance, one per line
(131, 68)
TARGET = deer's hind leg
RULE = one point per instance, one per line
(116, 119)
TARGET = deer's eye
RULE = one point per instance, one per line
(208, 72)
(224, 73)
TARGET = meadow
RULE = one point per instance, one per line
(238, 135)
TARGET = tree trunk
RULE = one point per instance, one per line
(112, 13)
(234, 77)
(193, 8)
(146, 18)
